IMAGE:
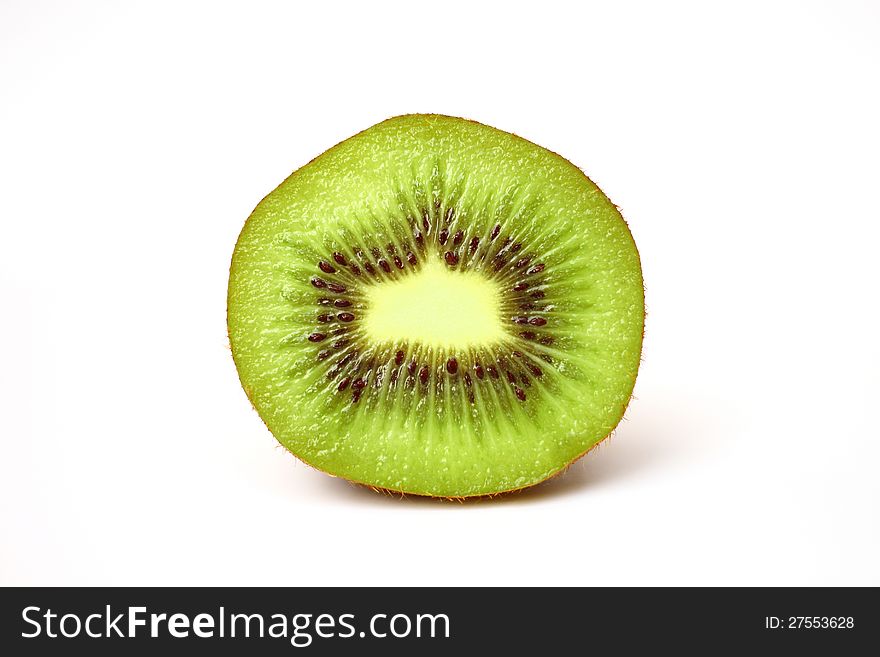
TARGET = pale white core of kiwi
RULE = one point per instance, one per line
(437, 307)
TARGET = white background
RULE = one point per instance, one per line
(742, 144)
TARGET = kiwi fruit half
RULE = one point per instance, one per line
(437, 307)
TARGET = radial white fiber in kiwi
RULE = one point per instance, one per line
(437, 307)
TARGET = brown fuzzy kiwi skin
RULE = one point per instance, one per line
(402, 494)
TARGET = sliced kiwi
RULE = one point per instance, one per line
(437, 307)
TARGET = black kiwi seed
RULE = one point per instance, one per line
(519, 287)
(520, 320)
(398, 262)
(510, 377)
(343, 384)
(339, 258)
(534, 369)
(342, 303)
(411, 368)
(326, 267)
(317, 337)
(355, 270)
(411, 258)
(475, 242)
(324, 355)
(376, 252)
(522, 262)
(458, 238)
(452, 366)
(443, 236)
(319, 282)
(537, 321)
(492, 371)
(451, 258)
(383, 263)
(495, 231)
(536, 269)
(478, 370)
(519, 393)
(423, 375)
(527, 335)
(398, 358)
(345, 317)
(537, 294)
(336, 287)
(369, 267)
(325, 318)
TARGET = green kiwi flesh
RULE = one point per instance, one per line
(437, 307)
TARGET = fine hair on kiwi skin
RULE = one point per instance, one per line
(431, 218)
